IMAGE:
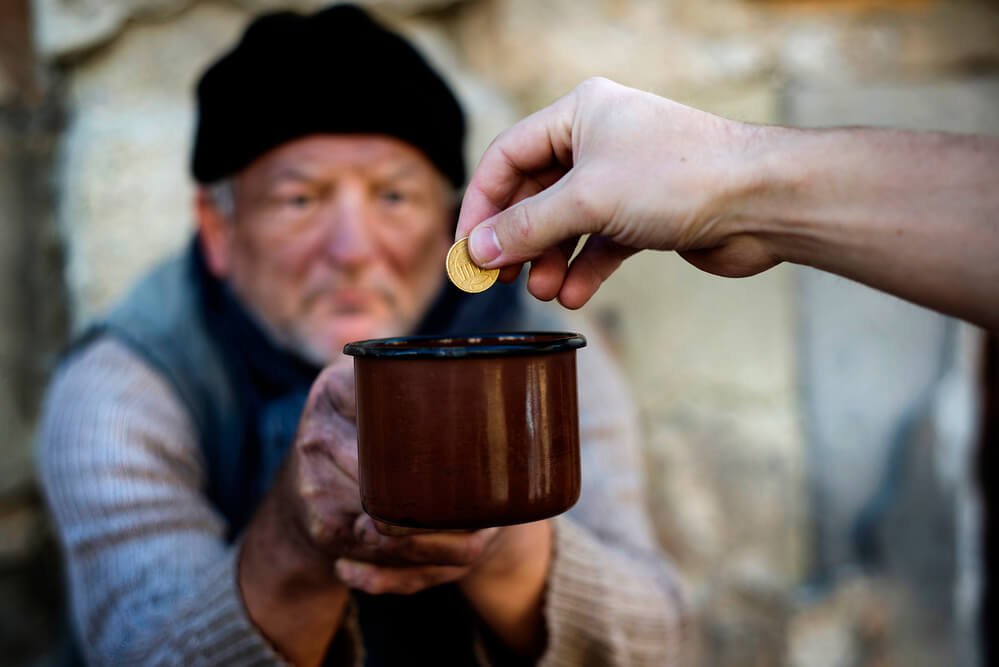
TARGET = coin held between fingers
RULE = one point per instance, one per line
(464, 273)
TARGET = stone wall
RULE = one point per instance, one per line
(726, 373)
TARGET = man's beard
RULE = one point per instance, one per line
(399, 321)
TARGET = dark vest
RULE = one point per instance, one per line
(245, 396)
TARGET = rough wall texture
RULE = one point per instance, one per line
(126, 199)
(717, 366)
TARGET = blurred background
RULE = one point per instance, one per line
(814, 449)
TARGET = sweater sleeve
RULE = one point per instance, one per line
(612, 597)
(151, 578)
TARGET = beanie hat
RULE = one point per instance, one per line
(336, 71)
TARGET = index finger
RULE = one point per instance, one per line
(536, 143)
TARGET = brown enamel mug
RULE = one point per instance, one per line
(467, 432)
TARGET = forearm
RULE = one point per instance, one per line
(151, 578)
(509, 596)
(290, 593)
(914, 214)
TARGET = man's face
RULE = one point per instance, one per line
(335, 238)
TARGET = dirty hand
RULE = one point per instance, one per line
(311, 540)
(318, 490)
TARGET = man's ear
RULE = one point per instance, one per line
(215, 233)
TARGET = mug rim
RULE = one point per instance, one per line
(494, 344)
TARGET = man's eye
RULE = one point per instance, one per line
(393, 196)
(299, 201)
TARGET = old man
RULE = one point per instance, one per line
(200, 467)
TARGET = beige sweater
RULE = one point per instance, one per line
(152, 580)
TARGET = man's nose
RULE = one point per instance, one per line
(350, 241)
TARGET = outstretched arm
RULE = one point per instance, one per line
(914, 214)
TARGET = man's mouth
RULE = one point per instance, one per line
(346, 299)
(352, 301)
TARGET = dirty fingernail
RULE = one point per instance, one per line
(365, 532)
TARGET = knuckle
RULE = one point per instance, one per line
(471, 550)
(584, 202)
(521, 222)
(320, 530)
(595, 82)
(501, 139)
(340, 391)
(318, 390)
(309, 445)
(324, 530)
(597, 86)
(334, 388)
(310, 490)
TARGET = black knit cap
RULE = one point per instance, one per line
(336, 71)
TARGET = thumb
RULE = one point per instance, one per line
(526, 230)
(333, 390)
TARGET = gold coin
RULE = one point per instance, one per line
(464, 273)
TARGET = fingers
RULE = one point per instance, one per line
(379, 579)
(526, 230)
(551, 274)
(423, 548)
(327, 429)
(328, 443)
(333, 391)
(337, 381)
(598, 259)
(548, 271)
(538, 143)
(509, 274)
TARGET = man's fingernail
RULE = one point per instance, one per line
(483, 245)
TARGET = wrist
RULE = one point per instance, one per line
(291, 594)
(278, 557)
(522, 549)
(765, 180)
(507, 590)
(806, 191)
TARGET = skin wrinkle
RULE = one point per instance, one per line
(516, 168)
(565, 161)
(286, 266)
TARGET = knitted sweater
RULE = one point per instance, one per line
(153, 581)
